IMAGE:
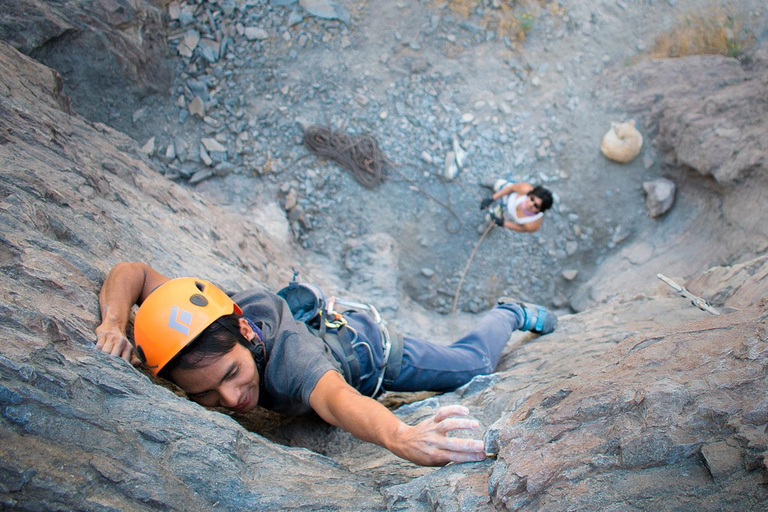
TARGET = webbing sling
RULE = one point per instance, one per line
(340, 342)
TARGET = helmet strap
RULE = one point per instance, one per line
(256, 346)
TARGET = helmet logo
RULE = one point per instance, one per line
(180, 320)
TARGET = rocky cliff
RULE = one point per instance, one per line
(639, 402)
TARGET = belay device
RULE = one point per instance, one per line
(308, 305)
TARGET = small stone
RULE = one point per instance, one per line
(461, 155)
(427, 272)
(174, 10)
(426, 157)
(139, 115)
(205, 157)
(383, 114)
(170, 153)
(149, 147)
(467, 118)
(648, 162)
(291, 200)
(570, 274)
(451, 169)
(196, 107)
(255, 33)
(202, 174)
(210, 50)
(224, 169)
(560, 301)
(661, 195)
(213, 145)
(571, 246)
(188, 43)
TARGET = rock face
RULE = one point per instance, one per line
(84, 431)
(642, 402)
(125, 39)
(726, 136)
(709, 113)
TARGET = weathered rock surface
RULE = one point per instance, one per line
(725, 136)
(709, 113)
(83, 431)
(125, 41)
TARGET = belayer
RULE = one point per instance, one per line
(519, 206)
(249, 350)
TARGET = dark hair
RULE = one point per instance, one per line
(216, 340)
(545, 195)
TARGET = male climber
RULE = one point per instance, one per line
(249, 351)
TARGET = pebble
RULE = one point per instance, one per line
(196, 107)
(149, 147)
(213, 145)
(202, 174)
(255, 33)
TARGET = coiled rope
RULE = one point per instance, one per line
(359, 154)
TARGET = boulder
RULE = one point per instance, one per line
(660, 196)
(622, 142)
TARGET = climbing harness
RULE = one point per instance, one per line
(308, 305)
(696, 301)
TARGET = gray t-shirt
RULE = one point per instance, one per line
(296, 359)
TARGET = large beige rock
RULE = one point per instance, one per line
(622, 142)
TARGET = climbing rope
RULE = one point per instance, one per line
(444, 204)
(359, 154)
(464, 274)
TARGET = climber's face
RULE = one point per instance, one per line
(532, 203)
(230, 380)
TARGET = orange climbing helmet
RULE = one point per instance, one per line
(173, 315)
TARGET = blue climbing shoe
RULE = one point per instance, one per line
(537, 319)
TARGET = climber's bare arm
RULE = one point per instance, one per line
(426, 443)
(520, 188)
(127, 284)
(528, 227)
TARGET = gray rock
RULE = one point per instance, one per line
(660, 196)
(706, 110)
(327, 9)
(255, 33)
(450, 170)
(201, 175)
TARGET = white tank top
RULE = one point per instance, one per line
(514, 200)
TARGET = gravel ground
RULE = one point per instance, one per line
(417, 76)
